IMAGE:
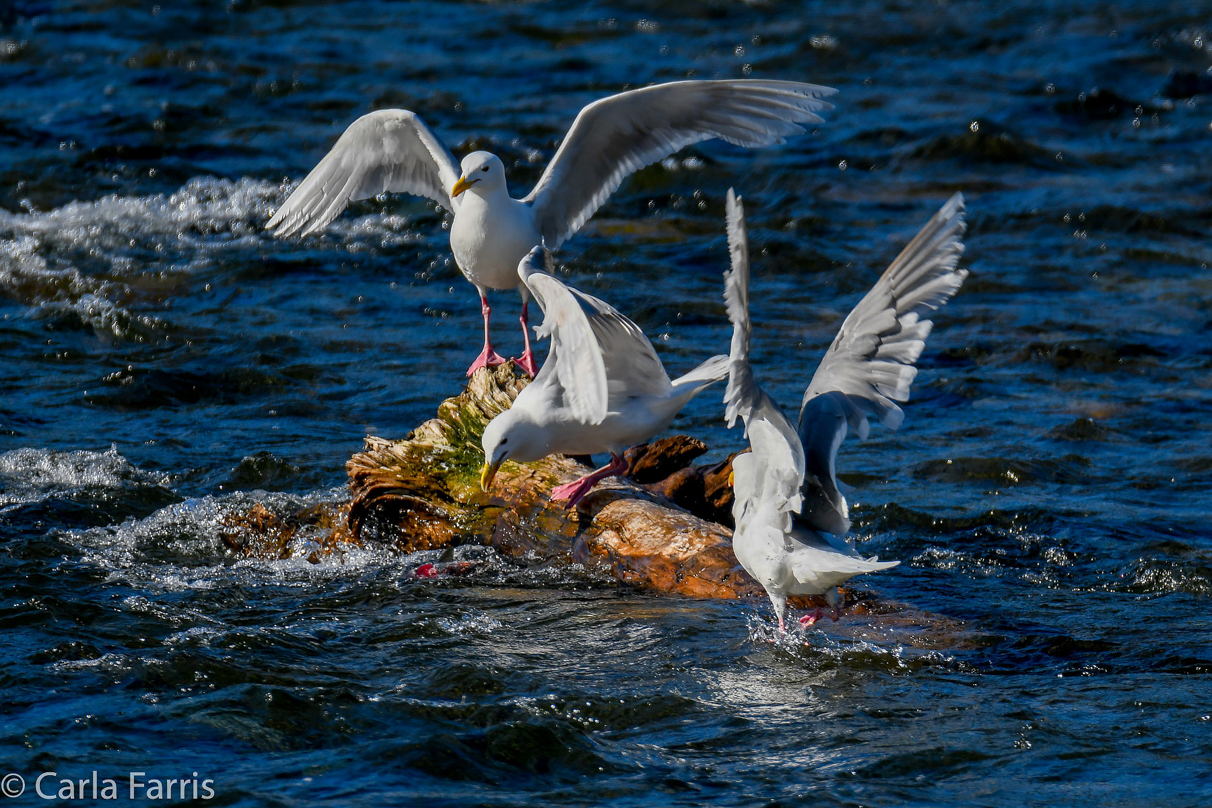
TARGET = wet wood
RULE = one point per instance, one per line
(312, 533)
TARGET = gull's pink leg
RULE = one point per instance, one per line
(527, 362)
(576, 490)
(488, 358)
(782, 625)
(810, 619)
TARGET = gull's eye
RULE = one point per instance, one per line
(504, 441)
(485, 168)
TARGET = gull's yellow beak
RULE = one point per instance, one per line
(489, 470)
(461, 186)
(731, 479)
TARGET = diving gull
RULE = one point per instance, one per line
(601, 389)
(791, 519)
(394, 150)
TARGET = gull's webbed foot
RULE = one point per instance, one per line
(574, 491)
(810, 619)
(488, 358)
(527, 363)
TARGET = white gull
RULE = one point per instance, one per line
(601, 389)
(791, 518)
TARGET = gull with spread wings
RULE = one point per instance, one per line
(601, 389)
(791, 518)
(394, 150)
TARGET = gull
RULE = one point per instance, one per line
(601, 389)
(791, 518)
(394, 150)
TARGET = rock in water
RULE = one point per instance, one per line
(423, 492)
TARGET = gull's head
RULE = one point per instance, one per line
(510, 436)
(482, 171)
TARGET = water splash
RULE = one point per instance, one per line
(36, 475)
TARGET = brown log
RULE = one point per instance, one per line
(653, 462)
(423, 493)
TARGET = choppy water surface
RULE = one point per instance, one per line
(164, 362)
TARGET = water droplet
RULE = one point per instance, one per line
(975, 126)
(842, 165)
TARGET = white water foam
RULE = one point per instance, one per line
(204, 213)
(91, 262)
(35, 475)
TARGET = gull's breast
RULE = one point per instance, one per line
(489, 238)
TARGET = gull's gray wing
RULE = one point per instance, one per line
(600, 356)
(778, 472)
(632, 365)
(575, 355)
(388, 150)
(615, 136)
(870, 365)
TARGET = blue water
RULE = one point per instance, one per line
(166, 363)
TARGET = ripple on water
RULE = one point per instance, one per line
(1072, 469)
(1161, 576)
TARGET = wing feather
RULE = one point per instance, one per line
(775, 473)
(388, 150)
(615, 136)
(870, 365)
(632, 365)
(579, 367)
